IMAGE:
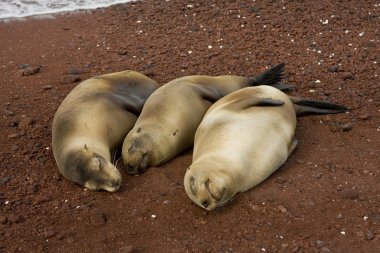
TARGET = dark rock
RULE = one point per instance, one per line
(49, 232)
(254, 9)
(370, 235)
(14, 218)
(23, 66)
(70, 78)
(349, 194)
(334, 68)
(3, 219)
(74, 71)
(364, 116)
(347, 75)
(97, 217)
(4, 180)
(149, 73)
(26, 121)
(28, 71)
(42, 199)
(13, 124)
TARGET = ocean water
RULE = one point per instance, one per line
(25, 8)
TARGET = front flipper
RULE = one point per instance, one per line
(245, 103)
(292, 146)
(209, 93)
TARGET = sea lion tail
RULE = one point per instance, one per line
(271, 77)
(308, 106)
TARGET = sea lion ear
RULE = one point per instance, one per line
(85, 147)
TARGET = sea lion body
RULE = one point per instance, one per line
(171, 115)
(92, 121)
(241, 141)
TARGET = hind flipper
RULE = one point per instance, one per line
(292, 146)
(283, 86)
(304, 106)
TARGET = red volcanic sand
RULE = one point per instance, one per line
(326, 198)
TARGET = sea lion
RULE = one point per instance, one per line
(171, 115)
(92, 121)
(243, 138)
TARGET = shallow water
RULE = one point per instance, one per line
(25, 8)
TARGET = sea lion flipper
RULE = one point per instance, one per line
(271, 77)
(243, 104)
(209, 93)
(292, 146)
(304, 106)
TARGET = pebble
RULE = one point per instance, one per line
(47, 87)
(12, 136)
(23, 65)
(349, 194)
(28, 71)
(74, 71)
(26, 121)
(347, 75)
(14, 218)
(319, 243)
(334, 68)
(182, 211)
(165, 202)
(42, 199)
(97, 217)
(325, 250)
(3, 219)
(70, 78)
(127, 249)
(49, 232)
(364, 116)
(347, 127)
(300, 161)
(370, 235)
(317, 175)
(13, 124)
(255, 207)
(9, 113)
(282, 209)
(4, 180)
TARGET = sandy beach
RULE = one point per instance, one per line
(326, 197)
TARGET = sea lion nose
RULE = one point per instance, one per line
(205, 203)
(131, 169)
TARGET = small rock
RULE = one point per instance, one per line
(74, 71)
(97, 217)
(319, 243)
(370, 235)
(300, 161)
(349, 194)
(47, 87)
(347, 127)
(26, 121)
(127, 249)
(4, 180)
(8, 113)
(149, 73)
(33, 188)
(13, 124)
(23, 66)
(182, 211)
(255, 9)
(3, 219)
(334, 68)
(364, 116)
(255, 207)
(282, 209)
(360, 234)
(347, 75)
(14, 218)
(28, 71)
(70, 78)
(13, 136)
(49, 232)
(325, 250)
(317, 175)
(284, 245)
(166, 202)
(42, 199)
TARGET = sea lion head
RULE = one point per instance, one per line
(137, 152)
(90, 169)
(208, 187)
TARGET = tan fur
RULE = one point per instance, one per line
(92, 121)
(170, 117)
(238, 144)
